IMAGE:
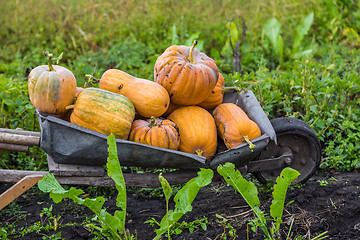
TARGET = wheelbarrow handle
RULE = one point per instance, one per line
(18, 140)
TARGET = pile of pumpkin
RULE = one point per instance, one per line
(181, 109)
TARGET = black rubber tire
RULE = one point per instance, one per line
(301, 139)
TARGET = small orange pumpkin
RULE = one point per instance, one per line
(155, 132)
(197, 130)
(234, 126)
(216, 96)
(51, 88)
(149, 98)
(187, 74)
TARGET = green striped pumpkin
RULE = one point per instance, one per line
(103, 111)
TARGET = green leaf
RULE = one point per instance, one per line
(113, 223)
(272, 28)
(234, 33)
(95, 204)
(49, 184)
(247, 190)
(233, 177)
(204, 226)
(183, 200)
(165, 186)
(9, 102)
(174, 36)
(114, 171)
(301, 30)
(282, 184)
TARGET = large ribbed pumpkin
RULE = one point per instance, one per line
(149, 98)
(51, 88)
(216, 96)
(197, 130)
(155, 132)
(187, 74)
(234, 126)
(104, 112)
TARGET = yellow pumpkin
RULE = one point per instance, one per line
(197, 130)
(149, 98)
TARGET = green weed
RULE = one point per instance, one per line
(183, 200)
(111, 226)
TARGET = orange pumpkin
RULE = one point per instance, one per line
(104, 112)
(187, 74)
(197, 130)
(216, 96)
(155, 132)
(234, 126)
(172, 107)
(149, 98)
(78, 90)
(51, 88)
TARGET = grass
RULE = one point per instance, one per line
(319, 86)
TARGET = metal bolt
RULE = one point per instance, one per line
(288, 161)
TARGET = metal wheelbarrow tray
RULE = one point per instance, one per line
(284, 142)
(67, 143)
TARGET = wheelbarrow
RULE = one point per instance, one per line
(77, 155)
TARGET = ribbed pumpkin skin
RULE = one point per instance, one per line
(233, 125)
(188, 83)
(216, 96)
(149, 98)
(51, 91)
(104, 112)
(197, 130)
(160, 133)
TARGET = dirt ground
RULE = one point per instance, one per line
(329, 201)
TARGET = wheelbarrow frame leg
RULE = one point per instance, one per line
(18, 189)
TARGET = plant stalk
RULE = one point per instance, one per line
(104, 221)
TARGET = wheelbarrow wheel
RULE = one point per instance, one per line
(305, 146)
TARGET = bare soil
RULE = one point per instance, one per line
(329, 201)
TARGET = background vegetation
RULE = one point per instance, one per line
(301, 58)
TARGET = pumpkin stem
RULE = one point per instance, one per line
(199, 152)
(225, 89)
(91, 79)
(49, 57)
(152, 122)
(251, 145)
(69, 107)
(191, 59)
